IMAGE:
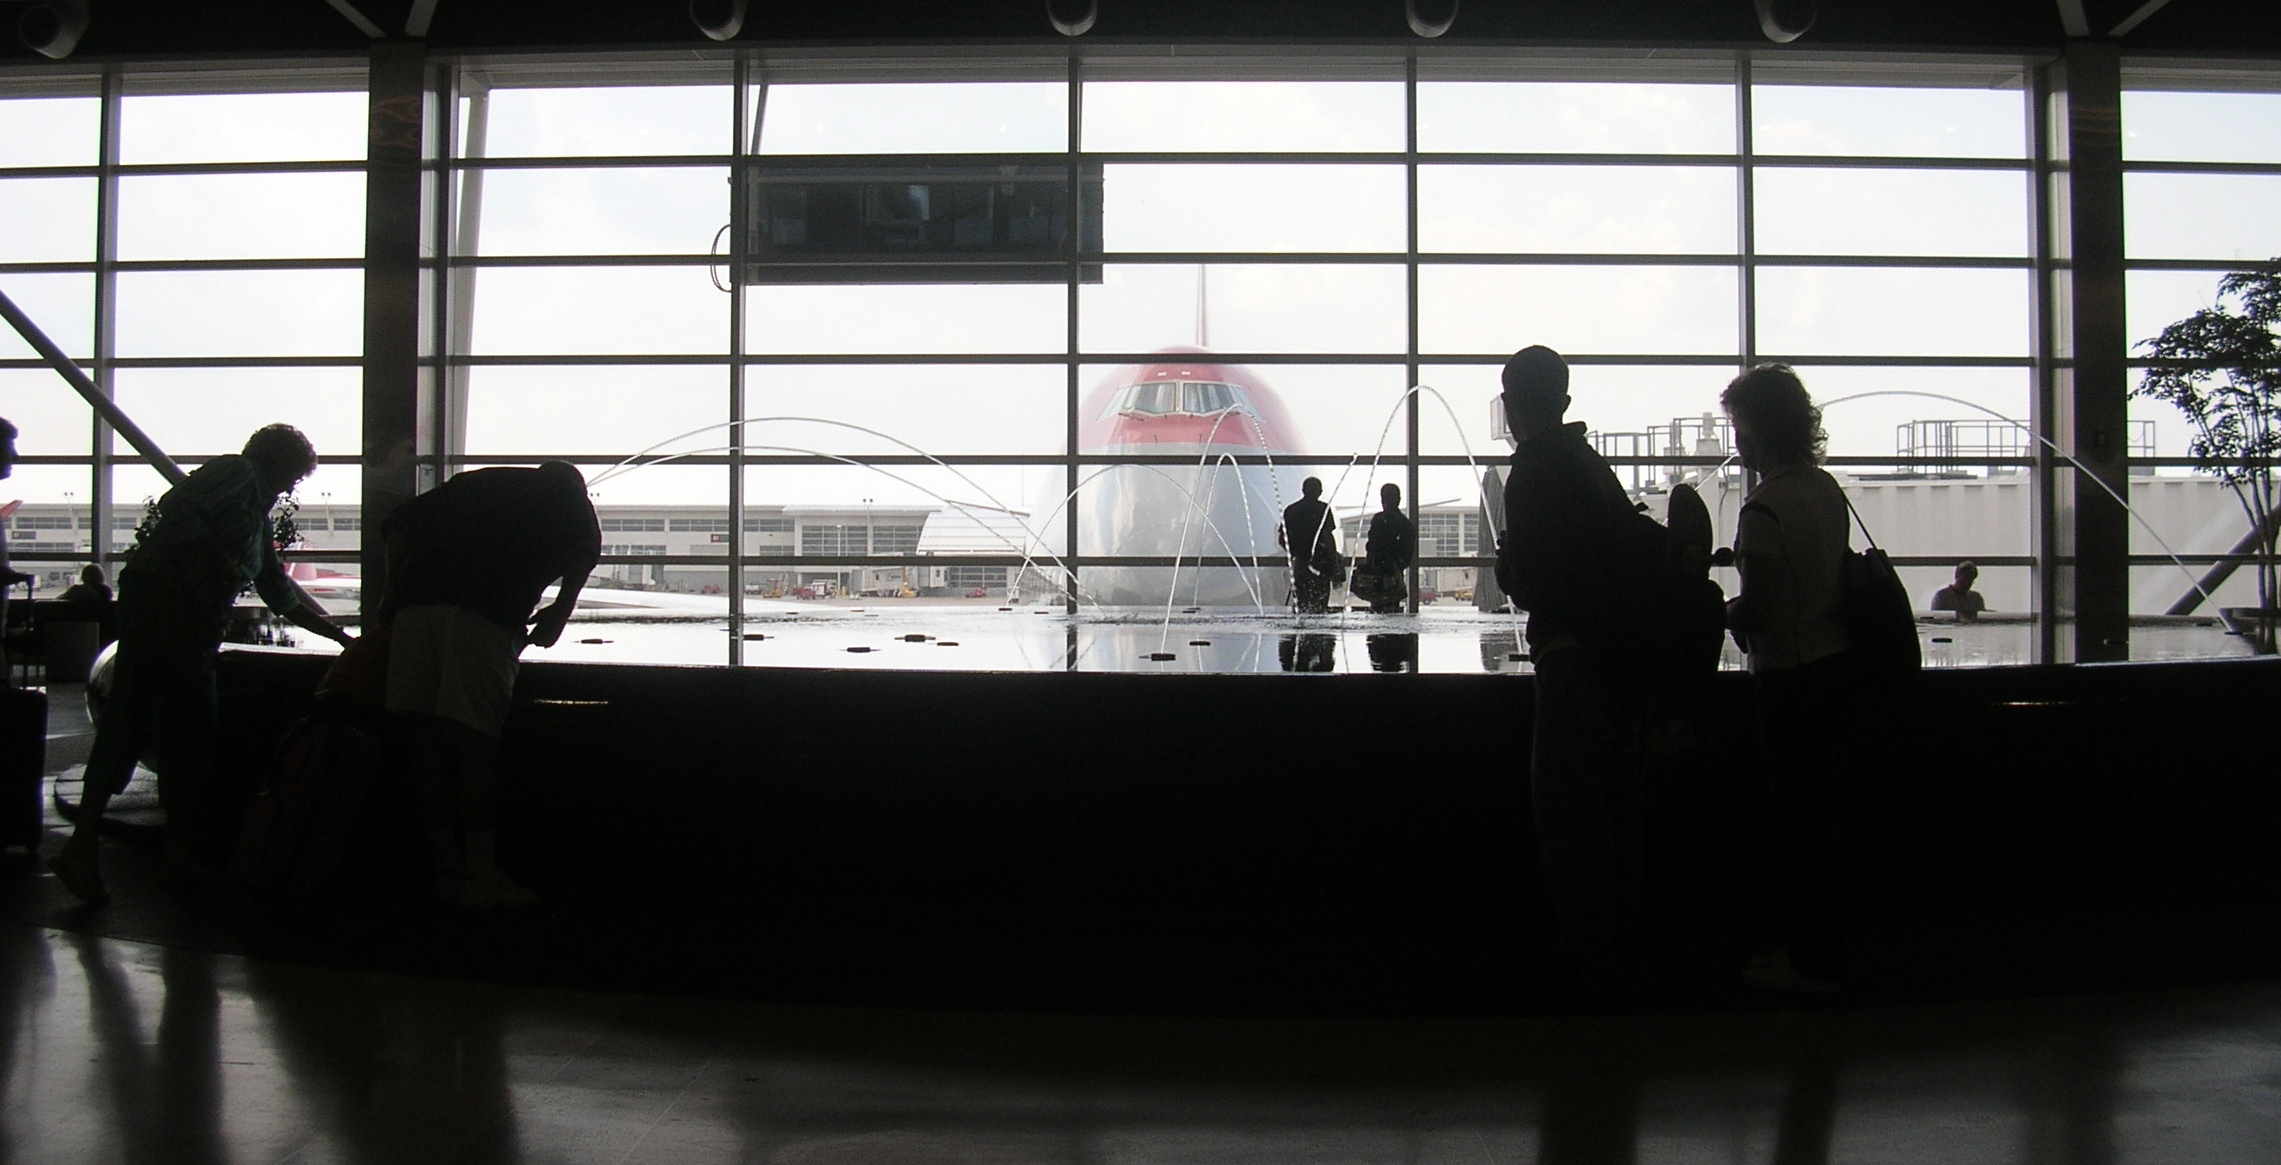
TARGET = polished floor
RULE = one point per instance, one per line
(120, 1051)
(119, 1048)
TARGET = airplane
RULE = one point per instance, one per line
(1189, 405)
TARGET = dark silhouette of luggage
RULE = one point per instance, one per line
(306, 818)
(302, 823)
(23, 752)
(23, 763)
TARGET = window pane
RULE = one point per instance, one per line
(605, 121)
(1829, 311)
(1247, 308)
(888, 318)
(49, 417)
(2191, 513)
(2202, 216)
(1243, 115)
(243, 127)
(1488, 310)
(1891, 212)
(1575, 118)
(851, 489)
(611, 410)
(938, 409)
(50, 131)
(1626, 399)
(63, 306)
(603, 212)
(2202, 127)
(50, 220)
(197, 413)
(1254, 208)
(242, 216)
(2153, 300)
(241, 313)
(1965, 411)
(1009, 117)
(1607, 210)
(1886, 122)
(599, 310)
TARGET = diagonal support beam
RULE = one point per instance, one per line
(416, 25)
(2138, 18)
(119, 421)
(2073, 20)
(363, 24)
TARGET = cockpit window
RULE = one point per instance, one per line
(1158, 398)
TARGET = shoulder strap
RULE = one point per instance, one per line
(1857, 518)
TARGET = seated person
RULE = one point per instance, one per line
(91, 589)
(1959, 595)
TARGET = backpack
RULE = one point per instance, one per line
(1875, 609)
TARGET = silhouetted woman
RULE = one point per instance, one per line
(1789, 546)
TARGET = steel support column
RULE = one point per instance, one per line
(2087, 393)
(399, 384)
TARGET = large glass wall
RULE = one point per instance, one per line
(195, 240)
(2202, 157)
(631, 272)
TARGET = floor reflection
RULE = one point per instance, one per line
(141, 1053)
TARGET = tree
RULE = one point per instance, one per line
(2221, 367)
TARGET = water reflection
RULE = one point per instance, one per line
(1394, 652)
(1313, 653)
(892, 635)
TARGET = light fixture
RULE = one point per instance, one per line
(718, 19)
(1795, 17)
(52, 28)
(1430, 18)
(1072, 17)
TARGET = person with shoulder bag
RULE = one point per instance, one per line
(1789, 616)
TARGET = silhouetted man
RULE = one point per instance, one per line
(1389, 550)
(1311, 537)
(1959, 595)
(468, 563)
(1559, 561)
(213, 537)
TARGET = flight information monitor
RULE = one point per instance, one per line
(880, 222)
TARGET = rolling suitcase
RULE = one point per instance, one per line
(23, 752)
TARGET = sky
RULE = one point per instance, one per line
(1648, 309)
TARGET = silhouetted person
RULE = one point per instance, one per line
(1311, 537)
(1790, 543)
(1959, 596)
(9, 576)
(1565, 515)
(91, 589)
(213, 537)
(468, 563)
(1388, 552)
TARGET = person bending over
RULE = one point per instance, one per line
(213, 537)
(468, 563)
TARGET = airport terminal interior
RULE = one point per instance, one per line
(939, 769)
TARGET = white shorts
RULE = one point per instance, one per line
(453, 663)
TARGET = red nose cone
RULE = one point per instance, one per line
(1224, 407)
